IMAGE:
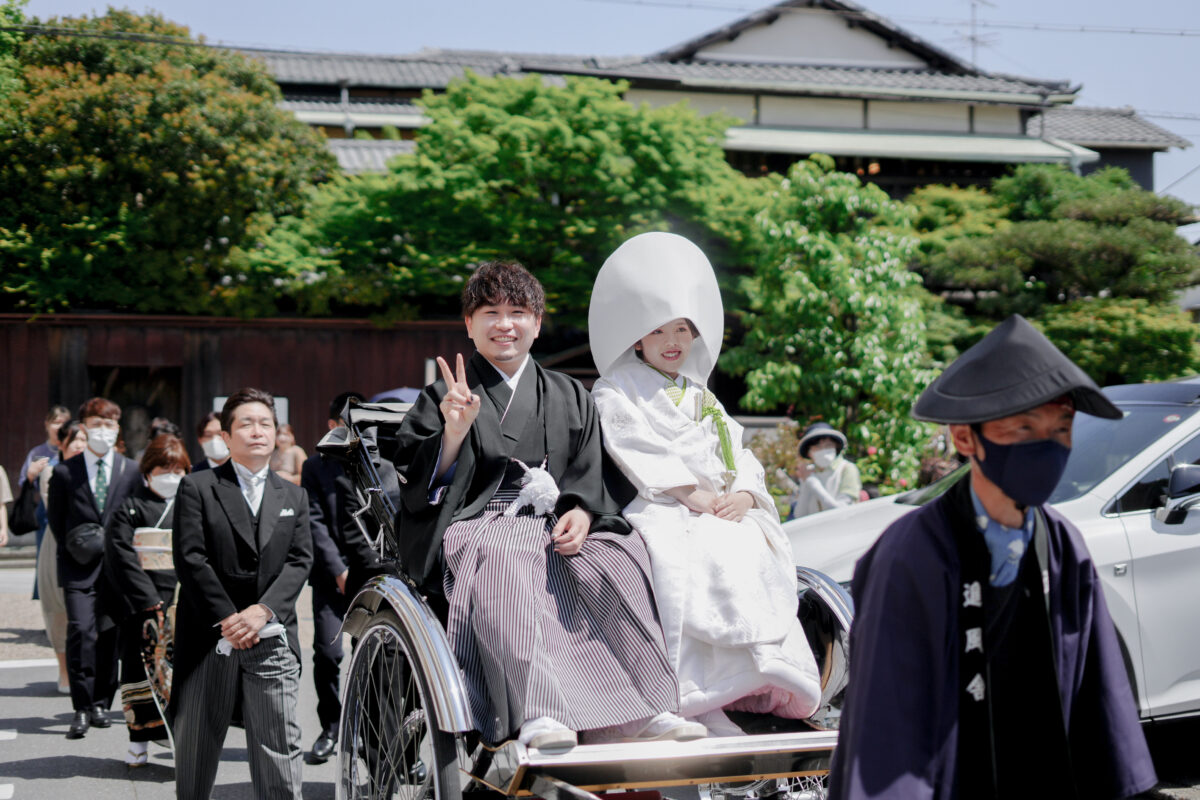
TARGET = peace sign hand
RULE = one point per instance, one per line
(459, 407)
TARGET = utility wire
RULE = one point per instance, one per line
(1180, 179)
(1054, 27)
(1049, 27)
(149, 38)
(1167, 114)
(46, 30)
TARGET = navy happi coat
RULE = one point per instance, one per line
(899, 733)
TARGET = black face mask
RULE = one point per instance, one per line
(1028, 472)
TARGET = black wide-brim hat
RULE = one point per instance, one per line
(820, 430)
(1012, 369)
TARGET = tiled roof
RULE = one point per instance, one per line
(431, 69)
(356, 105)
(1102, 127)
(355, 70)
(798, 76)
(509, 60)
(368, 155)
(435, 68)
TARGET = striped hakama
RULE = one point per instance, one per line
(574, 638)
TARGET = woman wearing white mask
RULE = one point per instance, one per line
(828, 480)
(724, 577)
(137, 558)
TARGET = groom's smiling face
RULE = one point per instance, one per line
(503, 334)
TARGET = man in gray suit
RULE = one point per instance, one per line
(242, 554)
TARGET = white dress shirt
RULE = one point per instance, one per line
(252, 484)
(90, 459)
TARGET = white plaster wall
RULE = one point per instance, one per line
(996, 119)
(810, 112)
(739, 106)
(811, 36)
(886, 115)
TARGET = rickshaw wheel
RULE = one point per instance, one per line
(807, 787)
(391, 746)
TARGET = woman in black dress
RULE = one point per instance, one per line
(137, 561)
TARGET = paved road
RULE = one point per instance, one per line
(37, 762)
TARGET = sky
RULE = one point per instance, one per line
(1155, 74)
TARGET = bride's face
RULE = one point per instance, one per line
(666, 348)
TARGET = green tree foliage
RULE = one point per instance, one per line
(948, 330)
(834, 329)
(11, 16)
(134, 166)
(553, 175)
(944, 214)
(777, 451)
(1124, 341)
(1062, 238)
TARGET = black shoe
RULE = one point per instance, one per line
(79, 725)
(324, 746)
(99, 717)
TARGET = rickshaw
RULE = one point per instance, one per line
(406, 730)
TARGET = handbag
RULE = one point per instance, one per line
(23, 517)
(85, 543)
(153, 544)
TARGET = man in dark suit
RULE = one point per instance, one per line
(242, 553)
(88, 489)
(320, 477)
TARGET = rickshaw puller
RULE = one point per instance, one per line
(985, 661)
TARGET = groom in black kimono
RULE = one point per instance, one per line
(550, 611)
(985, 663)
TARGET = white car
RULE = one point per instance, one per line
(1114, 490)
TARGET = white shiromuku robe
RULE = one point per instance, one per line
(726, 591)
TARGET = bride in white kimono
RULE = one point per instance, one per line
(723, 574)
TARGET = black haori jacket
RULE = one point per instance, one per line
(548, 405)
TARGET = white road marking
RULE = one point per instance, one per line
(7, 734)
(6, 791)
(29, 662)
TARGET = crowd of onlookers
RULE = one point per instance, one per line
(104, 517)
(102, 520)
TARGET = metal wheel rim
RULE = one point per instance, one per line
(386, 750)
(807, 787)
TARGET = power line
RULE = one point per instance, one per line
(46, 30)
(1180, 179)
(1047, 27)
(685, 5)
(973, 38)
(996, 51)
(1168, 114)
(149, 38)
(1054, 27)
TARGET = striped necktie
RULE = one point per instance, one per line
(101, 485)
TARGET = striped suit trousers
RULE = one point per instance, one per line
(268, 676)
